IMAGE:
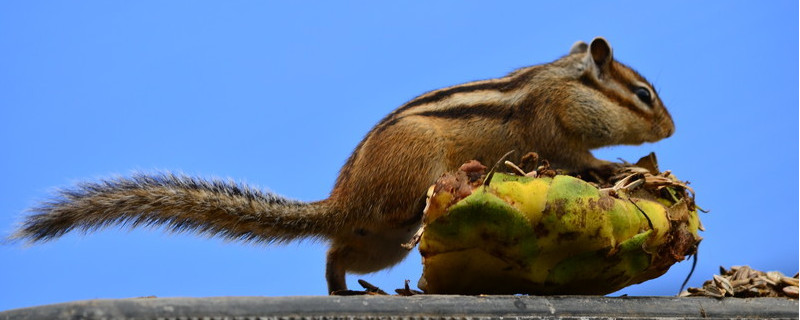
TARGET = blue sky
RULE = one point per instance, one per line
(278, 95)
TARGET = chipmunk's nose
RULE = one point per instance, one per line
(661, 131)
(667, 127)
(670, 131)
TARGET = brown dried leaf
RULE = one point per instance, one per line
(648, 162)
(743, 281)
(791, 291)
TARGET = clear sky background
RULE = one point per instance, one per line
(278, 95)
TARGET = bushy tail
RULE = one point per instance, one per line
(182, 204)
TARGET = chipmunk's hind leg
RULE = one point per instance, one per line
(335, 269)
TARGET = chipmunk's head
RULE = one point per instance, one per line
(609, 102)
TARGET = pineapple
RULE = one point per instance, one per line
(554, 233)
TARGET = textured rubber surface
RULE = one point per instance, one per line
(417, 307)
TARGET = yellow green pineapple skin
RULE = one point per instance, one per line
(558, 235)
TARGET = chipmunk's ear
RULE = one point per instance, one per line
(578, 47)
(601, 52)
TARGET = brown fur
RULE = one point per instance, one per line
(561, 110)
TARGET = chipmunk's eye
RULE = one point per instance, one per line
(643, 94)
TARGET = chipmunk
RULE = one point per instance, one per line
(561, 110)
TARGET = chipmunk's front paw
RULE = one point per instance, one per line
(602, 172)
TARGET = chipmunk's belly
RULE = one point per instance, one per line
(376, 251)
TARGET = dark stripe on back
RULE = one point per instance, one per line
(512, 81)
(483, 110)
(463, 112)
(445, 93)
